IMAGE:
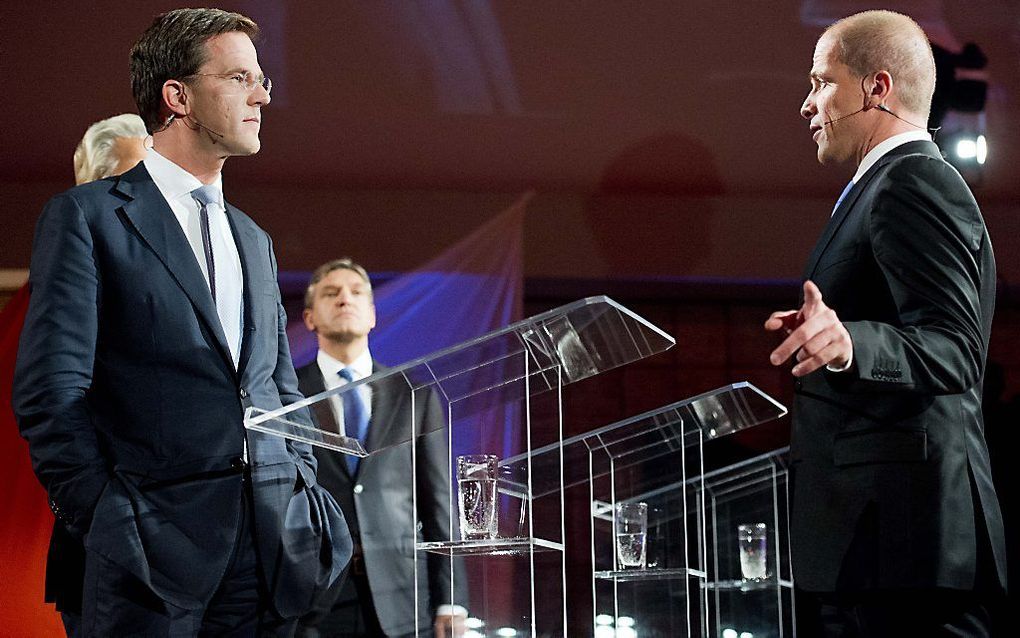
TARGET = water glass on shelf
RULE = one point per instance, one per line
(631, 534)
(477, 499)
(752, 540)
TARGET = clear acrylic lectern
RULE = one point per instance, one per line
(657, 585)
(750, 582)
(501, 395)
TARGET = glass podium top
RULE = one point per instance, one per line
(543, 352)
(639, 439)
(723, 484)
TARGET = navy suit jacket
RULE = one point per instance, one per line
(133, 409)
(891, 481)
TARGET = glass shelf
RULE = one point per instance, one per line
(631, 575)
(748, 585)
(491, 547)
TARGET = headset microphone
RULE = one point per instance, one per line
(831, 122)
(885, 109)
(204, 127)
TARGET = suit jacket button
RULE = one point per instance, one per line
(243, 393)
(359, 488)
(238, 464)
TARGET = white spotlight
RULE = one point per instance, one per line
(603, 619)
(966, 149)
(981, 149)
(624, 621)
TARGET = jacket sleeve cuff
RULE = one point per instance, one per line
(843, 368)
(451, 610)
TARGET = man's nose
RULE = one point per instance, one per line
(260, 96)
(807, 108)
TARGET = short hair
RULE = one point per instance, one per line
(173, 47)
(95, 158)
(344, 263)
(878, 40)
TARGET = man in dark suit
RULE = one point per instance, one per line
(376, 492)
(154, 321)
(895, 525)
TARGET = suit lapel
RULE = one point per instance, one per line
(384, 399)
(311, 383)
(332, 465)
(383, 402)
(310, 379)
(151, 216)
(847, 205)
(247, 250)
(835, 222)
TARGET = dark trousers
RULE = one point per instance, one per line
(72, 624)
(352, 614)
(116, 603)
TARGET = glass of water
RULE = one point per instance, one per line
(476, 487)
(752, 539)
(631, 533)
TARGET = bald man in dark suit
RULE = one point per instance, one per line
(895, 525)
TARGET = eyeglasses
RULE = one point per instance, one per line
(247, 79)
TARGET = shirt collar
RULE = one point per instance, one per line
(330, 366)
(884, 147)
(173, 181)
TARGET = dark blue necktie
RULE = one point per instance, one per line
(355, 418)
(842, 196)
(206, 195)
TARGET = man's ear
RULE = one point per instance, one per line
(175, 98)
(306, 316)
(880, 90)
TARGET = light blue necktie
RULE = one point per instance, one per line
(355, 418)
(206, 195)
(842, 196)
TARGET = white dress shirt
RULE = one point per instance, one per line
(330, 368)
(176, 184)
(884, 147)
